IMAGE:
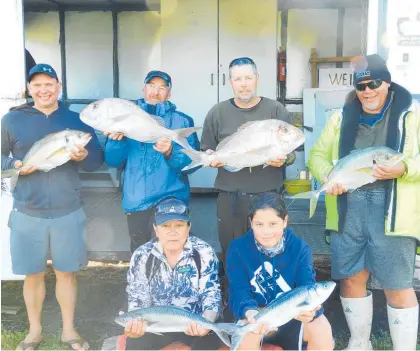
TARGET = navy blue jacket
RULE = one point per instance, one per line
(45, 194)
(255, 279)
(148, 175)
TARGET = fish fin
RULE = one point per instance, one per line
(225, 141)
(198, 158)
(246, 125)
(313, 196)
(159, 120)
(13, 182)
(303, 304)
(265, 165)
(367, 170)
(232, 169)
(224, 336)
(57, 152)
(334, 162)
(156, 333)
(180, 136)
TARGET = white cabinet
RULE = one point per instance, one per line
(248, 29)
(200, 39)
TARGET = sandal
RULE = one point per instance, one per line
(26, 345)
(84, 344)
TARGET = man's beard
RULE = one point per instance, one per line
(248, 99)
(371, 106)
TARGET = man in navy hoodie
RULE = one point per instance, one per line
(152, 172)
(47, 213)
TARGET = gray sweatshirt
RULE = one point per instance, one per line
(223, 120)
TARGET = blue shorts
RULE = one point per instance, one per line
(31, 238)
(364, 244)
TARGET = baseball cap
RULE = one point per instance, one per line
(165, 76)
(171, 209)
(42, 68)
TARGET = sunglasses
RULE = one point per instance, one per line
(168, 208)
(374, 84)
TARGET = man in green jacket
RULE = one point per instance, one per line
(374, 229)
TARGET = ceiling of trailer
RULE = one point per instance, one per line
(48, 5)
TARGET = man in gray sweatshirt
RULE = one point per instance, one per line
(237, 188)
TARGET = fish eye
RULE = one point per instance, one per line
(95, 105)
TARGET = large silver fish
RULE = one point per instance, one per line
(354, 171)
(286, 307)
(115, 115)
(170, 319)
(50, 152)
(253, 144)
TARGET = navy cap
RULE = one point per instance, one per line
(370, 67)
(171, 209)
(165, 76)
(42, 68)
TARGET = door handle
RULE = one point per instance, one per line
(224, 79)
(212, 79)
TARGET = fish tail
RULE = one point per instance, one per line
(9, 173)
(198, 158)
(236, 340)
(180, 136)
(224, 330)
(313, 196)
(13, 174)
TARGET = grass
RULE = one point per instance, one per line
(10, 340)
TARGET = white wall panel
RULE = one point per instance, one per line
(89, 55)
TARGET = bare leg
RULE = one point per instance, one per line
(318, 334)
(66, 293)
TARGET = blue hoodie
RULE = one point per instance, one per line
(45, 194)
(252, 284)
(148, 175)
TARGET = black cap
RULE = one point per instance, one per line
(165, 76)
(42, 68)
(171, 209)
(370, 67)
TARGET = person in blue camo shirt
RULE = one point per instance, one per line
(175, 269)
(152, 172)
(266, 262)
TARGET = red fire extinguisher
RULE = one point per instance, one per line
(282, 66)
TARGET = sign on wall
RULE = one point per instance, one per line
(335, 77)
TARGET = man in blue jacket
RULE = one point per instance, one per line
(47, 214)
(152, 172)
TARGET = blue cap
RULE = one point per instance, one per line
(370, 67)
(165, 76)
(170, 210)
(42, 68)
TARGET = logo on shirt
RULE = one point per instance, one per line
(47, 69)
(268, 282)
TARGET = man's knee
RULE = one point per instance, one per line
(34, 279)
(401, 298)
(65, 276)
(354, 286)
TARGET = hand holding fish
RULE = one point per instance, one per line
(135, 328)
(26, 170)
(262, 328)
(336, 189)
(391, 172)
(79, 155)
(114, 136)
(194, 329)
(307, 316)
(164, 146)
(278, 162)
